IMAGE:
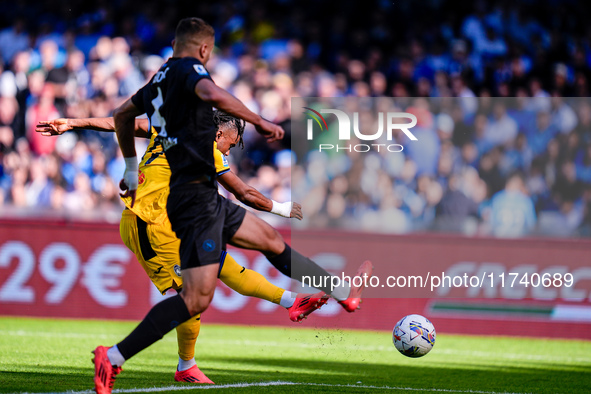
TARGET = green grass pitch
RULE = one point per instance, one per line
(50, 355)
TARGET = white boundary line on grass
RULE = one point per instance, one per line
(276, 383)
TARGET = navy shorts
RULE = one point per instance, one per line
(204, 221)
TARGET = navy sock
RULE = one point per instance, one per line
(302, 266)
(162, 318)
(282, 261)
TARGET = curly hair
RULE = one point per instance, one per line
(223, 119)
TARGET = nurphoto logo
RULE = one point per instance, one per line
(388, 121)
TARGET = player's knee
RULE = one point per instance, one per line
(276, 242)
(199, 304)
(271, 241)
(197, 301)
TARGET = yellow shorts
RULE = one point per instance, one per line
(156, 248)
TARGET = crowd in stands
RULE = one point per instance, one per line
(501, 166)
(84, 59)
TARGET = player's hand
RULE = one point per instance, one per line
(127, 192)
(53, 127)
(129, 182)
(270, 131)
(296, 211)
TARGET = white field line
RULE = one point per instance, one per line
(267, 344)
(277, 383)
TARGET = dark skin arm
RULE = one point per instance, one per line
(250, 196)
(124, 117)
(219, 98)
(124, 122)
(61, 125)
(243, 192)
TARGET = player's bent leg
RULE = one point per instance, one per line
(187, 370)
(198, 287)
(247, 282)
(159, 243)
(187, 334)
(162, 318)
(255, 233)
(251, 283)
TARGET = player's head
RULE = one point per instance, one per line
(229, 131)
(194, 37)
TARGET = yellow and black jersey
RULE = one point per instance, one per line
(154, 182)
(221, 163)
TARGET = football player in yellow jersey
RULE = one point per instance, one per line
(146, 230)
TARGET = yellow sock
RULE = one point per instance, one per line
(186, 335)
(248, 282)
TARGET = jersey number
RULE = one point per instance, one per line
(156, 120)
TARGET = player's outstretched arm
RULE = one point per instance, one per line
(209, 92)
(61, 125)
(250, 196)
(124, 117)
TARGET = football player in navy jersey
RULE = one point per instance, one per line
(178, 101)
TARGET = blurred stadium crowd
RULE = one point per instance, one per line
(84, 59)
(501, 166)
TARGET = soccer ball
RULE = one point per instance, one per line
(414, 336)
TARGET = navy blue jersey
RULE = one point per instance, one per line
(183, 121)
